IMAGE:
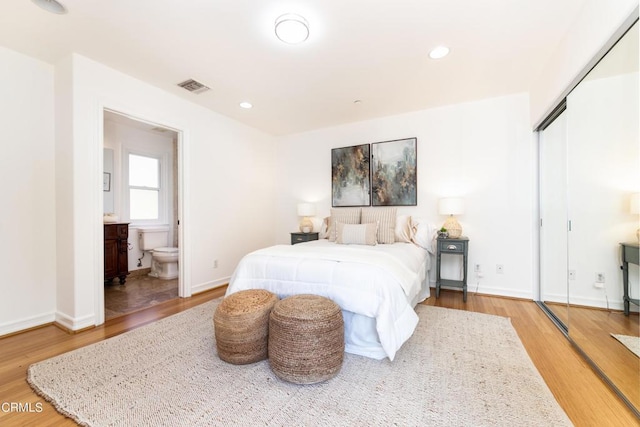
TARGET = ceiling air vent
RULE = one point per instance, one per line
(193, 86)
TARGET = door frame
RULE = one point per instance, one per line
(184, 272)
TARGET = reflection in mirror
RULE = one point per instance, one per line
(603, 173)
(107, 181)
(553, 214)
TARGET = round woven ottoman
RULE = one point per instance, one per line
(306, 339)
(241, 324)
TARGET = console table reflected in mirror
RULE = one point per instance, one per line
(630, 255)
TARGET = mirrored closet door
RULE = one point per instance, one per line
(589, 177)
(554, 219)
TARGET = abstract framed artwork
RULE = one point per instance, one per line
(350, 179)
(394, 178)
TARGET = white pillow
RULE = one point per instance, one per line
(424, 234)
(323, 230)
(386, 219)
(356, 234)
(403, 230)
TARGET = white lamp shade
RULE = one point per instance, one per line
(451, 206)
(306, 209)
(51, 6)
(634, 204)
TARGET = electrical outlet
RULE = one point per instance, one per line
(215, 263)
(477, 268)
(499, 268)
(598, 285)
(572, 275)
(599, 277)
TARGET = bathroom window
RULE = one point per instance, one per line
(144, 187)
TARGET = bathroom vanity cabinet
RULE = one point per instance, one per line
(116, 263)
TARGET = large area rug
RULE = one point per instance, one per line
(458, 369)
(629, 341)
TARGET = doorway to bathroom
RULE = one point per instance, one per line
(140, 177)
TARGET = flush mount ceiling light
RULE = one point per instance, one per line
(439, 52)
(51, 6)
(246, 105)
(292, 28)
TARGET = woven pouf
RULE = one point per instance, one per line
(241, 324)
(306, 339)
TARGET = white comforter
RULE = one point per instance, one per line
(376, 286)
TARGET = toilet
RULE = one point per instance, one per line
(164, 261)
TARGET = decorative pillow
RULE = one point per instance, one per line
(324, 229)
(424, 234)
(356, 234)
(386, 219)
(403, 231)
(343, 215)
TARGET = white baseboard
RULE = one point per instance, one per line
(557, 298)
(196, 289)
(74, 324)
(27, 323)
(472, 288)
(616, 304)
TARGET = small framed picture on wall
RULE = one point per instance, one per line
(106, 181)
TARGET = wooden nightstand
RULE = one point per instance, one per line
(454, 247)
(303, 237)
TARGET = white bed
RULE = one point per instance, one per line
(377, 287)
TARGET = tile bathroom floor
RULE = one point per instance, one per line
(137, 293)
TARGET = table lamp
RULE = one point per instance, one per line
(451, 206)
(306, 210)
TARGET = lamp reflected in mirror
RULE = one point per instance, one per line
(634, 209)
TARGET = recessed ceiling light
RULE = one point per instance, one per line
(51, 6)
(292, 28)
(439, 52)
(246, 105)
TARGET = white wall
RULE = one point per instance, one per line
(594, 26)
(482, 151)
(27, 185)
(228, 190)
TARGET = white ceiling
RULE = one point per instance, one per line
(370, 50)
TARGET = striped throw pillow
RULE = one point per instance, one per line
(386, 219)
(356, 234)
(343, 215)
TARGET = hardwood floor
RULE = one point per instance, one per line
(585, 398)
(140, 292)
(591, 330)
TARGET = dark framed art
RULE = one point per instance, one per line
(394, 177)
(350, 179)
